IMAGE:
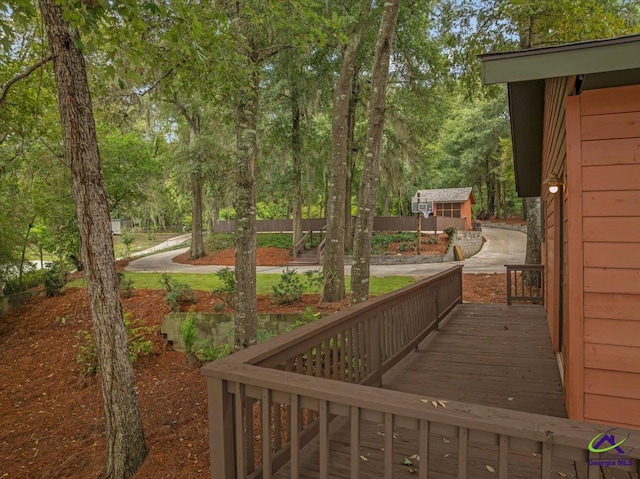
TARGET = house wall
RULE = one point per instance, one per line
(554, 164)
(603, 193)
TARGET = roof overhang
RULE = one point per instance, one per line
(580, 58)
(599, 63)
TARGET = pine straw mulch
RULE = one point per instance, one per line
(51, 417)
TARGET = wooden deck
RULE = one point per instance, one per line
(493, 355)
(489, 354)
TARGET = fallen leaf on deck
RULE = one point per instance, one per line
(407, 462)
(490, 469)
(364, 459)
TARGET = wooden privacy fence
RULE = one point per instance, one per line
(267, 402)
(525, 282)
(384, 223)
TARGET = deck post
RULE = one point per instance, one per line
(221, 430)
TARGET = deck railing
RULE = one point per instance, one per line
(525, 282)
(267, 402)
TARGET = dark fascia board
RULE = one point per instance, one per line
(622, 53)
(526, 104)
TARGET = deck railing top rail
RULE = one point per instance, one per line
(269, 353)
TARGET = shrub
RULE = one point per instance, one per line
(126, 286)
(228, 288)
(87, 356)
(177, 293)
(292, 285)
(188, 332)
(380, 242)
(139, 345)
(30, 279)
(450, 233)
(127, 238)
(289, 289)
(54, 280)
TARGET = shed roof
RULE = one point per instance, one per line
(596, 64)
(446, 195)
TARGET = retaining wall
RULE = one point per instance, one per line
(469, 241)
(217, 328)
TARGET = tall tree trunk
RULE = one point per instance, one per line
(246, 317)
(296, 159)
(351, 159)
(333, 261)
(368, 193)
(534, 234)
(197, 241)
(126, 447)
(498, 199)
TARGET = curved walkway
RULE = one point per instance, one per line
(502, 247)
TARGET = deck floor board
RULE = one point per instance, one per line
(494, 355)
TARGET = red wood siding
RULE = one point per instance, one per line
(553, 163)
(609, 191)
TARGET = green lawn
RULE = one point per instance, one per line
(264, 285)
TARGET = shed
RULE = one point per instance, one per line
(117, 225)
(449, 202)
(575, 124)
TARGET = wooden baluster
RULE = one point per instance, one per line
(241, 433)
(375, 353)
(299, 363)
(309, 363)
(463, 436)
(508, 286)
(265, 437)
(343, 349)
(319, 360)
(348, 355)
(324, 440)
(357, 354)
(423, 450)
(334, 353)
(388, 445)
(363, 351)
(277, 426)
(249, 404)
(294, 421)
(355, 442)
(503, 464)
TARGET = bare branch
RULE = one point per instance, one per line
(152, 87)
(5, 86)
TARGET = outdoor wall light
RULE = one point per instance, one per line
(554, 183)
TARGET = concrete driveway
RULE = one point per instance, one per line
(502, 247)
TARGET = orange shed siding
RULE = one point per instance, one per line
(608, 191)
